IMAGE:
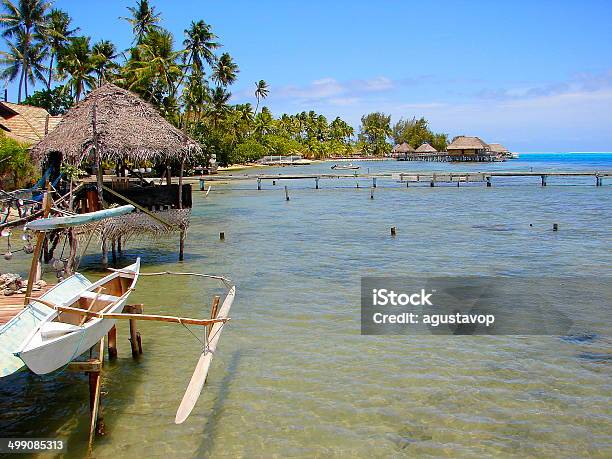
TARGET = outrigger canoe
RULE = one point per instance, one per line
(76, 322)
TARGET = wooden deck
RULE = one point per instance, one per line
(11, 305)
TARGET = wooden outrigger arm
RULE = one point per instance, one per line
(118, 315)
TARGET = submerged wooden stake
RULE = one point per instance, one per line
(393, 232)
(222, 236)
(286, 193)
(112, 343)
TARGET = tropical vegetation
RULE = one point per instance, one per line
(187, 79)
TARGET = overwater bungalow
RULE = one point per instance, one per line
(467, 148)
(401, 152)
(426, 148)
(113, 125)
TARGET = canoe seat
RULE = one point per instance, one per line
(101, 297)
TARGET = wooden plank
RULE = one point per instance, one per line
(12, 305)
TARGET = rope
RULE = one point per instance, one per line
(194, 335)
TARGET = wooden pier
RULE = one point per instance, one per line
(429, 178)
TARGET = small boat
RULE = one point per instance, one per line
(46, 224)
(349, 166)
(20, 327)
(76, 321)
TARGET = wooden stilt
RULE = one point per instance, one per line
(104, 253)
(95, 383)
(135, 341)
(112, 343)
(286, 193)
(114, 251)
(182, 246)
(119, 246)
(40, 238)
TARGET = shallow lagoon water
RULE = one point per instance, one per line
(294, 377)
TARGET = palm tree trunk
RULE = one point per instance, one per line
(256, 106)
(50, 71)
(20, 85)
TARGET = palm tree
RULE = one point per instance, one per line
(75, 62)
(144, 19)
(218, 104)
(57, 35)
(27, 18)
(14, 60)
(104, 54)
(200, 46)
(261, 92)
(225, 70)
(153, 69)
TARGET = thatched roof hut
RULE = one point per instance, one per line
(498, 148)
(404, 148)
(463, 142)
(124, 126)
(426, 148)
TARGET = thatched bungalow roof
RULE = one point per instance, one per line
(463, 142)
(498, 148)
(26, 123)
(426, 148)
(127, 127)
(404, 148)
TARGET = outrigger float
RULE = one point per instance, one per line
(54, 329)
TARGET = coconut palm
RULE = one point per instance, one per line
(104, 55)
(218, 99)
(261, 92)
(200, 45)
(26, 61)
(27, 20)
(153, 69)
(144, 19)
(75, 62)
(57, 34)
(225, 70)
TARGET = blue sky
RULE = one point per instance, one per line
(535, 75)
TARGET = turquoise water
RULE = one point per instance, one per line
(294, 377)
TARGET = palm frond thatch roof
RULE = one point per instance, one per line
(463, 142)
(426, 148)
(498, 148)
(127, 127)
(404, 148)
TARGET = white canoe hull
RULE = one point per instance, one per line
(43, 356)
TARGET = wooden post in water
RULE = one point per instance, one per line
(489, 181)
(112, 343)
(114, 250)
(202, 184)
(119, 246)
(222, 236)
(372, 193)
(259, 184)
(316, 183)
(543, 180)
(393, 231)
(135, 341)
(598, 180)
(104, 252)
(373, 182)
(286, 193)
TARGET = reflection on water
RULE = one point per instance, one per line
(293, 376)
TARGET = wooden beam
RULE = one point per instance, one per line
(40, 238)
